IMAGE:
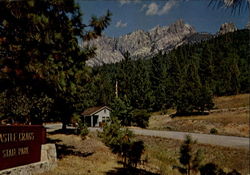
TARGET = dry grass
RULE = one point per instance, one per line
(163, 154)
(82, 157)
(235, 101)
(234, 121)
(91, 156)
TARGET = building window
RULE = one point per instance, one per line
(105, 111)
(103, 119)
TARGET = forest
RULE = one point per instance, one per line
(187, 78)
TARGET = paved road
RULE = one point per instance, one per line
(228, 141)
(52, 127)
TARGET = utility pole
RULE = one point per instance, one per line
(116, 89)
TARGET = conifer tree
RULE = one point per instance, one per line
(39, 48)
(190, 158)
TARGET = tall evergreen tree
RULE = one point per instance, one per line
(141, 95)
(39, 47)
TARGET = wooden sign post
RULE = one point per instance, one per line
(20, 145)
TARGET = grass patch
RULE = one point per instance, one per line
(234, 101)
(82, 157)
(164, 153)
(234, 121)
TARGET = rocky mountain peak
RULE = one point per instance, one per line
(226, 28)
(180, 26)
(140, 44)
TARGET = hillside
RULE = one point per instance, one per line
(231, 117)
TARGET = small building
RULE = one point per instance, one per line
(96, 116)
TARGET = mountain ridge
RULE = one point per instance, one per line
(144, 44)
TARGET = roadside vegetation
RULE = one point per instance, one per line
(90, 156)
(163, 154)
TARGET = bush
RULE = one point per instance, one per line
(121, 142)
(190, 159)
(213, 131)
(82, 130)
(213, 169)
(75, 119)
(140, 118)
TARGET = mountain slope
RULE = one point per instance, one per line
(139, 43)
(144, 44)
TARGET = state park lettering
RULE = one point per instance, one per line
(15, 152)
(16, 137)
(6, 138)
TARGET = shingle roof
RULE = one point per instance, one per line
(93, 110)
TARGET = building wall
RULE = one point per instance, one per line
(103, 113)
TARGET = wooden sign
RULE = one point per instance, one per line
(20, 145)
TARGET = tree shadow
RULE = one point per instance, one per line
(188, 114)
(66, 132)
(65, 150)
(49, 140)
(129, 171)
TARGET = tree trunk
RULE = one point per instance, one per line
(188, 170)
(64, 126)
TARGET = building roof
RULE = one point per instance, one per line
(94, 110)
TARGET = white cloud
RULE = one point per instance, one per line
(123, 2)
(119, 24)
(167, 7)
(154, 9)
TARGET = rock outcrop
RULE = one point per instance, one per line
(144, 44)
(139, 44)
(226, 28)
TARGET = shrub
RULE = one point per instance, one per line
(82, 130)
(121, 142)
(213, 169)
(189, 158)
(75, 119)
(140, 118)
(213, 131)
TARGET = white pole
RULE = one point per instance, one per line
(92, 121)
(116, 89)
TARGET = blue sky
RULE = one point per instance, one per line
(130, 15)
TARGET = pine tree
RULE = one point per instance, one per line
(189, 90)
(122, 110)
(39, 48)
(190, 158)
(141, 95)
